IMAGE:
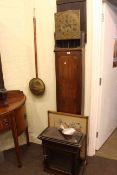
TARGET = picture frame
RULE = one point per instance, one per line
(79, 122)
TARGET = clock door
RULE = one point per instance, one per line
(69, 81)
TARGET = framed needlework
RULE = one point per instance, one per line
(78, 122)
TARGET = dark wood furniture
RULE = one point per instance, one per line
(13, 116)
(114, 2)
(70, 37)
(3, 92)
(1, 157)
(1, 76)
(61, 154)
(69, 79)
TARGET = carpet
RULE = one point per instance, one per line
(109, 149)
(33, 163)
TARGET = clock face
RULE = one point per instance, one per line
(67, 25)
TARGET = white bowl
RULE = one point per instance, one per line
(68, 131)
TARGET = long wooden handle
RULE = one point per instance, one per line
(35, 46)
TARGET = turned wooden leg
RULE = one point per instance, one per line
(16, 143)
(27, 136)
(17, 149)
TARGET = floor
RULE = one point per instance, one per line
(109, 149)
(33, 163)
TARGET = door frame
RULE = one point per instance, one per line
(95, 74)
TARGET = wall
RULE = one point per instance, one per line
(17, 53)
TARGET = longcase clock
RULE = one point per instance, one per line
(69, 58)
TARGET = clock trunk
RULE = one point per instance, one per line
(69, 80)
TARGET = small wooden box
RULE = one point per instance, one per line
(64, 155)
(60, 154)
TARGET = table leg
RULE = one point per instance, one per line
(16, 143)
(17, 149)
(27, 136)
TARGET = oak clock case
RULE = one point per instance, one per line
(68, 61)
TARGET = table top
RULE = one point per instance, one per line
(54, 134)
(15, 99)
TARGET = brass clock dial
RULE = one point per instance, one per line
(67, 25)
